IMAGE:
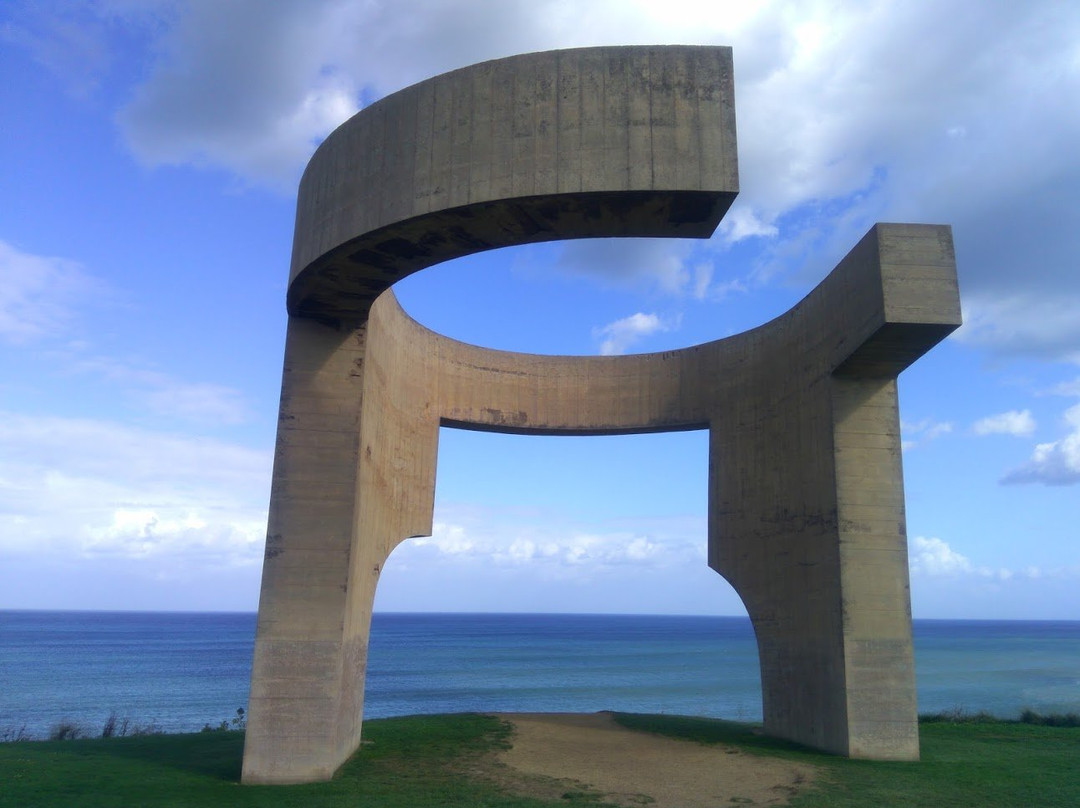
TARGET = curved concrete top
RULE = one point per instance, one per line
(890, 300)
(592, 142)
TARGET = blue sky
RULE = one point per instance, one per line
(149, 156)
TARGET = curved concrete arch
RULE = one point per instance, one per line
(589, 142)
(806, 511)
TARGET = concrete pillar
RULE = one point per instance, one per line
(300, 671)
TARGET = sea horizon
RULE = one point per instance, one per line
(180, 670)
(254, 613)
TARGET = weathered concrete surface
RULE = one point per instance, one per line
(561, 144)
(806, 509)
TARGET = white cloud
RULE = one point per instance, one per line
(555, 550)
(838, 126)
(249, 87)
(39, 295)
(741, 223)
(660, 264)
(618, 337)
(1070, 388)
(91, 488)
(1019, 423)
(447, 539)
(679, 268)
(705, 289)
(160, 393)
(703, 273)
(1055, 463)
(1024, 324)
(934, 558)
(167, 533)
(531, 560)
(921, 432)
(73, 46)
(197, 402)
(43, 300)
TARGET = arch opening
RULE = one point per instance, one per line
(563, 576)
(595, 296)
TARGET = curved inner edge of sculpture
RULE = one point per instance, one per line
(470, 278)
(806, 508)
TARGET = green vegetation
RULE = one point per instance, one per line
(439, 761)
(959, 716)
(967, 760)
(418, 761)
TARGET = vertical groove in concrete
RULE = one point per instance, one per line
(806, 512)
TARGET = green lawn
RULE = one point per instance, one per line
(424, 761)
(981, 764)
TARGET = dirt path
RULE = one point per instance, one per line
(562, 753)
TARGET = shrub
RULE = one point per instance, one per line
(66, 731)
(238, 722)
(958, 715)
(116, 727)
(149, 728)
(13, 735)
(1051, 720)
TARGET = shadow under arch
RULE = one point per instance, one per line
(806, 510)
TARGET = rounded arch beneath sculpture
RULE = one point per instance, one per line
(702, 664)
(591, 515)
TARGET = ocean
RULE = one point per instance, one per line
(180, 671)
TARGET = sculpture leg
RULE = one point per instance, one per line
(354, 474)
(878, 651)
(300, 669)
(806, 522)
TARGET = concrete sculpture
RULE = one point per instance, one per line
(806, 506)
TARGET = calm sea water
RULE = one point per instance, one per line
(183, 670)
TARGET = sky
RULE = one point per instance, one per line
(149, 157)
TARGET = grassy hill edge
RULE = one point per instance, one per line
(431, 761)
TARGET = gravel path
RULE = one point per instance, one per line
(560, 753)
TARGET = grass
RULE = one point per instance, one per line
(430, 760)
(416, 761)
(966, 761)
